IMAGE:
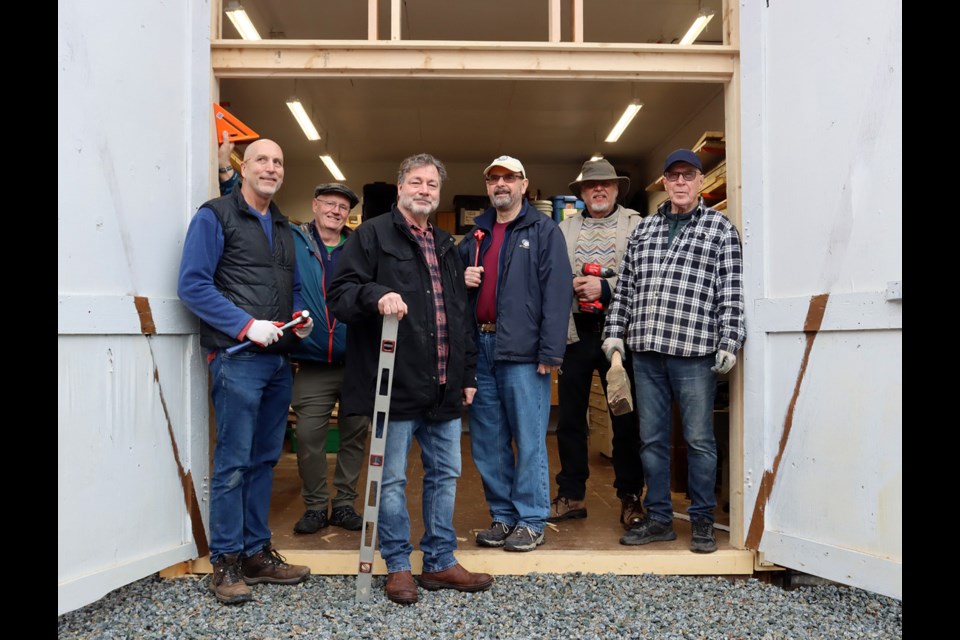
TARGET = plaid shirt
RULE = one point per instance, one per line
(685, 299)
(429, 250)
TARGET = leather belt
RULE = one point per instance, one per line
(487, 327)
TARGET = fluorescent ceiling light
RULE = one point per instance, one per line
(596, 157)
(303, 119)
(698, 25)
(624, 121)
(241, 21)
(333, 168)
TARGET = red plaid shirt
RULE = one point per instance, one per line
(428, 248)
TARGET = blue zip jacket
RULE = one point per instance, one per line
(533, 286)
(327, 343)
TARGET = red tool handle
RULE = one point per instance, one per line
(478, 234)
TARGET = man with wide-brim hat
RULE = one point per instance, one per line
(598, 236)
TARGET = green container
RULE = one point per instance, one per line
(333, 440)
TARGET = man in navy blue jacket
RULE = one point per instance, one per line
(319, 380)
(518, 275)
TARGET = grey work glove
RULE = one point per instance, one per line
(613, 344)
(263, 333)
(725, 362)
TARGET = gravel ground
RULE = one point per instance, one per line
(581, 606)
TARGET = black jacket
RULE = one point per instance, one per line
(381, 257)
(254, 276)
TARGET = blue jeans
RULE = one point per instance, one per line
(659, 378)
(251, 397)
(512, 407)
(440, 453)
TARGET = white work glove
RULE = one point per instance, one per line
(725, 362)
(613, 344)
(303, 329)
(263, 333)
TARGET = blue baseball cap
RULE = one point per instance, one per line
(683, 155)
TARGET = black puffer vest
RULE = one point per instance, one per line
(255, 277)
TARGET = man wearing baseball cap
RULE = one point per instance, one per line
(319, 379)
(518, 277)
(596, 237)
(678, 307)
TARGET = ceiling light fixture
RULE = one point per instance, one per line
(303, 119)
(241, 21)
(595, 157)
(624, 121)
(698, 25)
(333, 168)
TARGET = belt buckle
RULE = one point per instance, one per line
(488, 327)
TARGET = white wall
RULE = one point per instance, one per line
(822, 215)
(133, 111)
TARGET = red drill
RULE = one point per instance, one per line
(593, 269)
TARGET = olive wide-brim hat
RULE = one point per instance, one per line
(599, 170)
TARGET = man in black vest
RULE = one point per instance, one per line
(238, 275)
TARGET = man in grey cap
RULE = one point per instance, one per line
(319, 379)
(678, 306)
(596, 239)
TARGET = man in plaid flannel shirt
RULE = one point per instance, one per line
(678, 306)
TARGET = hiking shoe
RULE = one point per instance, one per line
(649, 530)
(227, 583)
(495, 536)
(566, 509)
(346, 518)
(702, 539)
(311, 521)
(523, 539)
(631, 511)
(269, 566)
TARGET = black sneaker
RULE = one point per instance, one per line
(702, 540)
(495, 536)
(649, 530)
(523, 539)
(311, 521)
(345, 517)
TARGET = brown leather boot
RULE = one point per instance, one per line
(456, 577)
(631, 511)
(226, 583)
(269, 566)
(401, 588)
(566, 509)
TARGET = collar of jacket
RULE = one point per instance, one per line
(664, 209)
(276, 216)
(526, 217)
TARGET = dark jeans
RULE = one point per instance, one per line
(576, 375)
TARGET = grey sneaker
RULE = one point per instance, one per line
(495, 536)
(649, 530)
(523, 539)
(702, 540)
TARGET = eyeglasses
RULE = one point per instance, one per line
(336, 206)
(673, 176)
(509, 178)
